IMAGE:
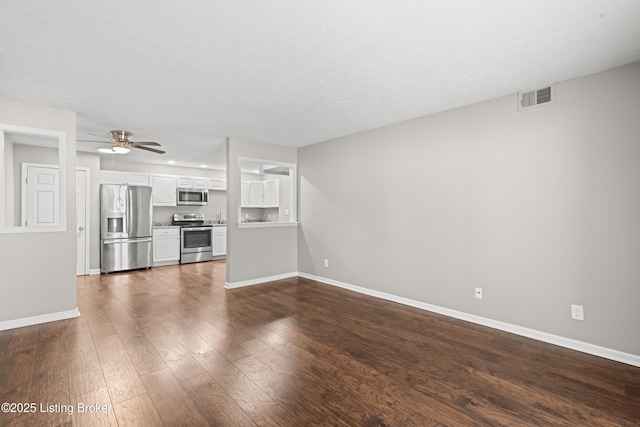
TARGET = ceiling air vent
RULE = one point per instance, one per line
(534, 98)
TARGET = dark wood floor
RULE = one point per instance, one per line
(169, 346)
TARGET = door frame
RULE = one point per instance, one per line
(87, 207)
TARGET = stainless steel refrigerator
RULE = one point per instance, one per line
(125, 230)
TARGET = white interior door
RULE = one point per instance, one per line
(82, 234)
(41, 196)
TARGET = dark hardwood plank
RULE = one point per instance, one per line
(85, 372)
(142, 353)
(103, 415)
(186, 336)
(306, 401)
(171, 346)
(18, 370)
(261, 408)
(172, 402)
(136, 412)
(99, 323)
(179, 360)
(121, 376)
(50, 386)
(216, 405)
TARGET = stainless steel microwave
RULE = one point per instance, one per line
(192, 196)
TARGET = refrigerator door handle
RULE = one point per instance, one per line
(116, 241)
(130, 228)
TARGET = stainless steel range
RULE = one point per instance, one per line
(196, 238)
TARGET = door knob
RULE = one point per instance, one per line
(80, 228)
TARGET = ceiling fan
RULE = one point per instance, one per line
(122, 143)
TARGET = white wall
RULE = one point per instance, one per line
(540, 208)
(254, 253)
(36, 281)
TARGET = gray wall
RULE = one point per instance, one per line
(540, 208)
(9, 185)
(254, 253)
(35, 279)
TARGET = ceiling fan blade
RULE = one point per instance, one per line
(134, 143)
(100, 136)
(142, 147)
(91, 140)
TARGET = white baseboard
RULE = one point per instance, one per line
(94, 271)
(260, 280)
(36, 320)
(583, 347)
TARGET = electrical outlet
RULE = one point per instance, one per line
(326, 263)
(577, 312)
(479, 293)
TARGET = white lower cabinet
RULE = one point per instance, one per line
(219, 241)
(166, 246)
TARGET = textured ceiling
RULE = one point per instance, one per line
(293, 72)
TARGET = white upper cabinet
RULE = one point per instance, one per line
(164, 190)
(271, 194)
(217, 184)
(184, 181)
(193, 182)
(260, 194)
(164, 185)
(123, 177)
(244, 194)
(202, 183)
(256, 193)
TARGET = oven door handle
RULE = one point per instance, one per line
(197, 229)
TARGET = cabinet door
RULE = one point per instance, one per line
(164, 190)
(122, 177)
(219, 244)
(217, 184)
(276, 194)
(136, 178)
(166, 249)
(244, 194)
(256, 193)
(271, 190)
(185, 182)
(202, 183)
(112, 177)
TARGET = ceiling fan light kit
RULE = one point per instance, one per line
(122, 143)
(121, 149)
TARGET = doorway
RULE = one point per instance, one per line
(82, 221)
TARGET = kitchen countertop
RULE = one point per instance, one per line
(177, 226)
